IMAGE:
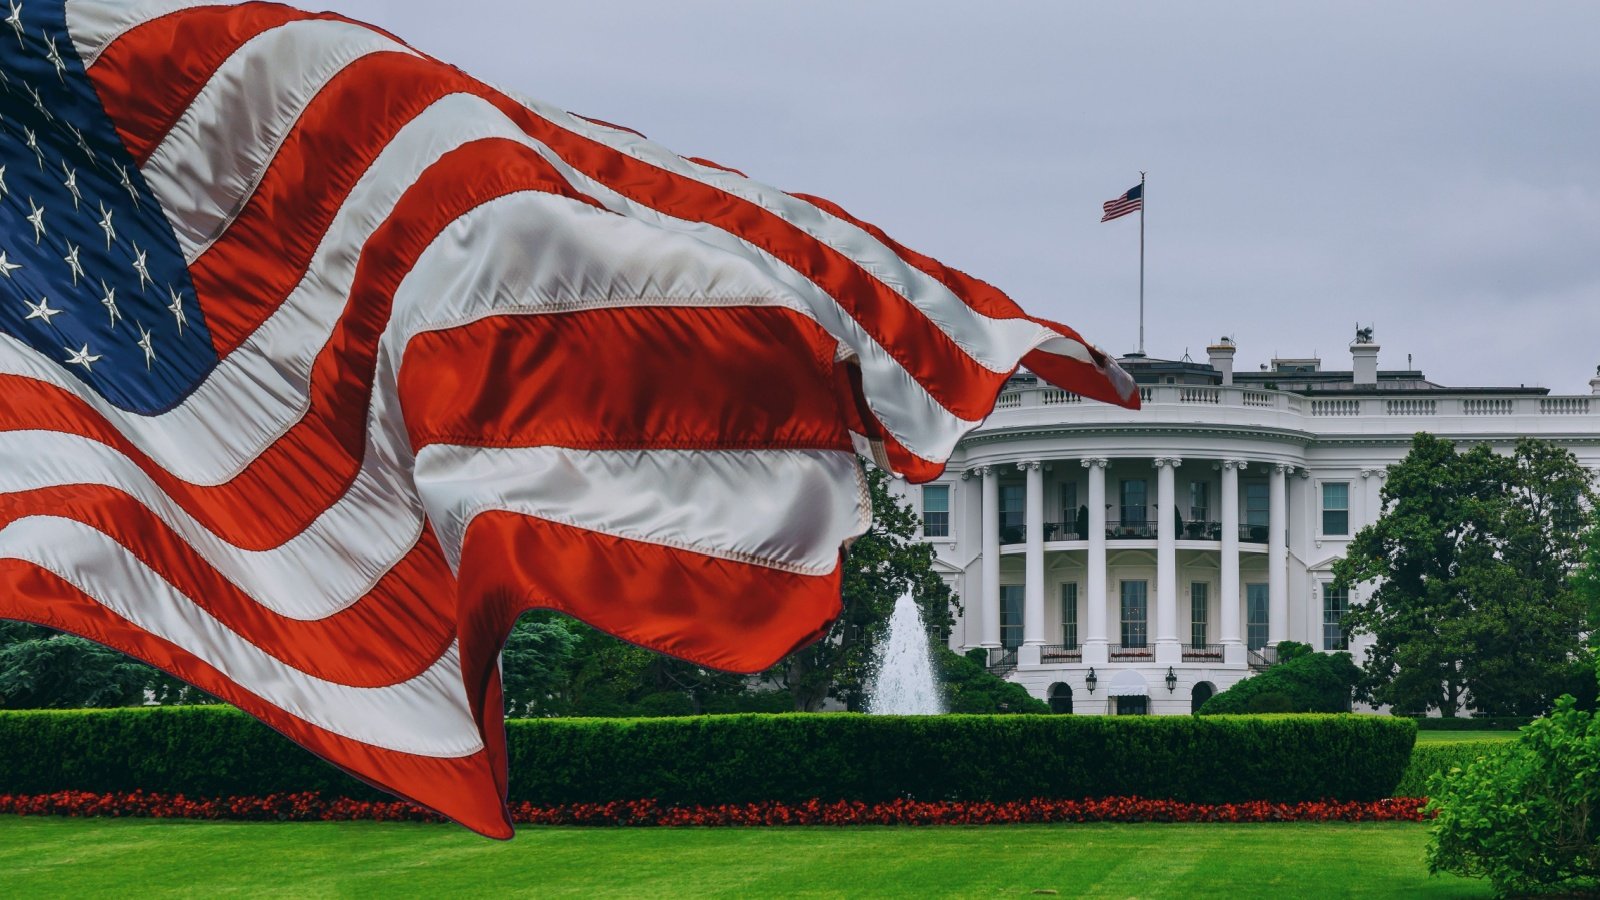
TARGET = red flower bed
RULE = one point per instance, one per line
(315, 807)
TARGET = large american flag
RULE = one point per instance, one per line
(321, 361)
(1130, 202)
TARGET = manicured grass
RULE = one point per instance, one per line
(1457, 737)
(90, 858)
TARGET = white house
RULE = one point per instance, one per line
(1138, 561)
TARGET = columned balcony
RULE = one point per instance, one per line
(1210, 515)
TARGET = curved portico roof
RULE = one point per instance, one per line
(1128, 683)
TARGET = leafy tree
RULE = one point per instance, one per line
(878, 568)
(1586, 578)
(1472, 560)
(969, 688)
(43, 669)
(1306, 682)
(534, 665)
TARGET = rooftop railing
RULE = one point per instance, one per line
(1237, 396)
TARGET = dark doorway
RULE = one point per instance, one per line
(1061, 699)
(1202, 692)
(1133, 706)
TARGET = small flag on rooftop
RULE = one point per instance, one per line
(1130, 202)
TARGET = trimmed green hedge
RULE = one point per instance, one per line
(731, 759)
(1475, 723)
(1426, 759)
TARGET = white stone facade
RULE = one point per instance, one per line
(1177, 544)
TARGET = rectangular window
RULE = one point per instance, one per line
(1255, 601)
(1334, 605)
(1135, 502)
(1069, 513)
(1199, 592)
(1135, 622)
(1257, 504)
(1012, 498)
(936, 510)
(1069, 615)
(1011, 616)
(1199, 501)
(1335, 507)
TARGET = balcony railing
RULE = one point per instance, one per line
(1135, 530)
(1202, 652)
(1263, 658)
(1002, 661)
(1131, 653)
(1060, 653)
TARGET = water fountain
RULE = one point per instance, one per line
(903, 681)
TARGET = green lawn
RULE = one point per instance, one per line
(1457, 737)
(91, 858)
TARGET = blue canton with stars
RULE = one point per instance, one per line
(90, 273)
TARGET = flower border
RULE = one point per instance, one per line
(310, 807)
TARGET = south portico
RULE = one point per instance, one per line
(1216, 536)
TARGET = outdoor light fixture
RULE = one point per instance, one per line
(1172, 680)
(1090, 680)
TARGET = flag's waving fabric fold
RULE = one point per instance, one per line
(320, 361)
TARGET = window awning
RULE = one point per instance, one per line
(1128, 683)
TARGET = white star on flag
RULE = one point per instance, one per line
(81, 358)
(127, 184)
(141, 266)
(83, 144)
(146, 343)
(71, 259)
(54, 55)
(176, 308)
(33, 144)
(3, 189)
(71, 184)
(38, 103)
(41, 310)
(109, 301)
(7, 266)
(36, 218)
(15, 21)
(106, 226)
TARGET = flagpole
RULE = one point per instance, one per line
(1142, 201)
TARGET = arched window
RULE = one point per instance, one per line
(1202, 692)
(1061, 698)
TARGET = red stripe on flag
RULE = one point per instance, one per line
(251, 269)
(466, 789)
(187, 48)
(641, 377)
(713, 612)
(395, 631)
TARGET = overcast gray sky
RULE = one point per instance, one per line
(1431, 167)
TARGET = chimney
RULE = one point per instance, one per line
(1364, 357)
(1221, 354)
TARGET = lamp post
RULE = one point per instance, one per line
(1172, 680)
(1090, 680)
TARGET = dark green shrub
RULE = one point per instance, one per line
(1428, 760)
(208, 751)
(969, 688)
(1310, 682)
(1270, 702)
(1528, 815)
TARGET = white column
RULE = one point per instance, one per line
(1094, 642)
(1228, 604)
(991, 557)
(1167, 649)
(1278, 559)
(1033, 566)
